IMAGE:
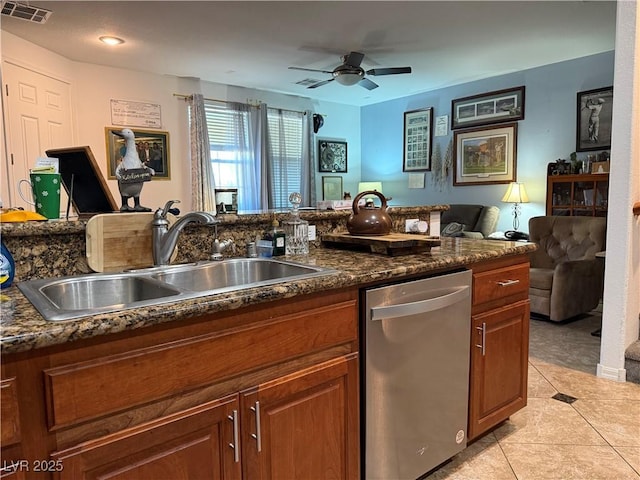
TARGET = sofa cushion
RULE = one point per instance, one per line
(541, 278)
(453, 229)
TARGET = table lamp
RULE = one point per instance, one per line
(367, 187)
(516, 194)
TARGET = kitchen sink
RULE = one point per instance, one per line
(85, 295)
(233, 273)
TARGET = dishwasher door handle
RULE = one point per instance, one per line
(421, 306)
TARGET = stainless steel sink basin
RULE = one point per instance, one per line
(234, 273)
(84, 295)
(69, 297)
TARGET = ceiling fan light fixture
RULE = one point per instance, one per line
(348, 79)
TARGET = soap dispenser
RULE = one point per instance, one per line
(7, 267)
(277, 237)
(296, 229)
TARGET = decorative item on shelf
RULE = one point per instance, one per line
(131, 174)
(516, 194)
(559, 167)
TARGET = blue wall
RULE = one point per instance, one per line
(548, 132)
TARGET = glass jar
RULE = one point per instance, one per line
(296, 229)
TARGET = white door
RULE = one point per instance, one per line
(37, 115)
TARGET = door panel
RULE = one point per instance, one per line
(38, 117)
(304, 425)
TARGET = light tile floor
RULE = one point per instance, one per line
(597, 437)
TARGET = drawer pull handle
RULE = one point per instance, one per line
(257, 435)
(234, 445)
(482, 331)
(507, 283)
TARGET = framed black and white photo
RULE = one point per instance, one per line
(488, 108)
(485, 155)
(418, 130)
(595, 112)
(332, 156)
(152, 147)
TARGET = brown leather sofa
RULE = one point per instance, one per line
(566, 277)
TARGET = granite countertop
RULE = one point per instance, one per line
(27, 330)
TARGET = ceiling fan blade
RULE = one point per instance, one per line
(319, 84)
(310, 69)
(354, 59)
(388, 71)
(368, 84)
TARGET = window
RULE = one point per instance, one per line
(236, 160)
(285, 162)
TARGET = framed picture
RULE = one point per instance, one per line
(331, 188)
(488, 108)
(418, 129)
(485, 155)
(333, 156)
(593, 128)
(152, 146)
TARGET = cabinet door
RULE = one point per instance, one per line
(303, 425)
(499, 356)
(194, 444)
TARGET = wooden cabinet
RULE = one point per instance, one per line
(499, 343)
(194, 399)
(573, 195)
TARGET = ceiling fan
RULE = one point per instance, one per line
(350, 72)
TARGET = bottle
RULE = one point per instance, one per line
(7, 267)
(296, 229)
(277, 237)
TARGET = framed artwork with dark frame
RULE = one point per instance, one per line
(418, 131)
(331, 188)
(593, 125)
(332, 156)
(486, 155)
(153, 150)
(488, 108)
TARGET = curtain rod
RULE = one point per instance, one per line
(185, 97)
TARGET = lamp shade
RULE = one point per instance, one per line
(516, 193)
(368, 186)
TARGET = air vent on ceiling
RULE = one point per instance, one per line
(308, 81)
(25, 12)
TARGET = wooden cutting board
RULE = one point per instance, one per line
(390, 244)
(116, 241)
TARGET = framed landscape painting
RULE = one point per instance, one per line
(484, 156)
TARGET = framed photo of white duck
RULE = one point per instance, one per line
(152, 147)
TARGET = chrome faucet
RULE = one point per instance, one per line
(220, 246)
(164, 239)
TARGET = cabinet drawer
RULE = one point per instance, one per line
(500, 283)
(85, 390)
(9, 417)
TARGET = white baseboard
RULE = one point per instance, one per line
(615, 374)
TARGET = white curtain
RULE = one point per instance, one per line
(202, 181)
(237, 163)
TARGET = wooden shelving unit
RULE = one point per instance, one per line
(578, 195)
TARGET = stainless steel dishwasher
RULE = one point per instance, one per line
(416, 375)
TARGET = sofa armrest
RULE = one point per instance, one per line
(476, 235)
(577, 276)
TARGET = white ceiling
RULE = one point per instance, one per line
(251, 44)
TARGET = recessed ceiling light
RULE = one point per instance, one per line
(111, 40)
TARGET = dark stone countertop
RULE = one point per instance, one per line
(24, 328)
